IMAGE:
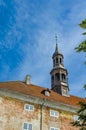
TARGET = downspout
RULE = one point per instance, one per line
(41, 114)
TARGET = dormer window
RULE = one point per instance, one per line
(47, 92)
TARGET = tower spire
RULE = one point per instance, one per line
(58, 73)
(56, 38)
(56, 49)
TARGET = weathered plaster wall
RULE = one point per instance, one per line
(62, 122)
(13, 115)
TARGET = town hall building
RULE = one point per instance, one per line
(25, 106)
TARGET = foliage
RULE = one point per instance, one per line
(85, 86)
(82, 45)
(81, 123)
(83, 24)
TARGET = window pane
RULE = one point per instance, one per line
(76, 118)
(56, 113)
(52, 112)
(30, 127)
(52, 129)
(31, 107)
(25, 125)
(27, 106)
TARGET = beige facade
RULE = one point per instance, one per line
(13, 113)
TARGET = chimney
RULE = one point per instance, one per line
(27, 80)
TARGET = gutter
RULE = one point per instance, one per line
(41, 114)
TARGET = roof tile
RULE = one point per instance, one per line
(35, 90)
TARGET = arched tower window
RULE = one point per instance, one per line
(63, 77)
(52, 79)
(57, 76)
(60, 60)
(56, 60)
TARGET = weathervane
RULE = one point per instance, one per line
(56, 38)
(56, 49)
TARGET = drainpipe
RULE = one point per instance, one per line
(41, 114)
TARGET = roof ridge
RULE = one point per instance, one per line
(11, 81)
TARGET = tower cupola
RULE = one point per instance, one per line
(59, 80)
(57, 58)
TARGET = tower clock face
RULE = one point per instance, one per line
(64, 90)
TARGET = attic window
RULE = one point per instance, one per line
(47, 92)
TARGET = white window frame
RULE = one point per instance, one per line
(28, 125)
(0, 99)
(54, 113)
(54, 128)
(29, 107)
(76, 118)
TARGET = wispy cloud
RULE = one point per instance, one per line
(32, 37)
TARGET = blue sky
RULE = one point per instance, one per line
(27, 40)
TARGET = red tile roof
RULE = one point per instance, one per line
(37, 91)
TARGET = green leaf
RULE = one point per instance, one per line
(84, 33)
(85, 86)
(81, 47)
(83, 24)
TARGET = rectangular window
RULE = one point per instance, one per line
(27, 126)
(29, 107)
(76, 118)
(53, 128)
(54, 113)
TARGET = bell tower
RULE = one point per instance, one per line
(59, 80)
